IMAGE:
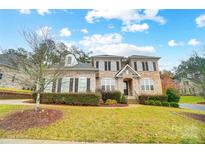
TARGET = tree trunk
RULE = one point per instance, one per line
(37, 98)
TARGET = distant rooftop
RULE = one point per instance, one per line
(133, 56)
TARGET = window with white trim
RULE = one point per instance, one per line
(82, 84)
(146, 84)
(108, 84)
(65, 84)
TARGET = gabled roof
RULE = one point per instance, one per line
(143, 57)
(127, 66)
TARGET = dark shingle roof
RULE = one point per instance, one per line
(143, 57)
(79, 67)
(4, 60)
(106, 56)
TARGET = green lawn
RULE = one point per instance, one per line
(135, 124)
(191, 99)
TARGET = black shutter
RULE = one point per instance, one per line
(147, 69)
(143, 66)
(59, 85)
(76, 84)
(71, 85)
(97, 64)
(118, 65)
(109, 65)
(154, 65)
(105, 66)
(54, 86)
(135, 66)
(88, 84)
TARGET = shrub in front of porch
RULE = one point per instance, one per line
(91, 99)
(161, 98)
(115, 95)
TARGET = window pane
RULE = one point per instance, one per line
(82, 86)
(65, 84)
(151, 87)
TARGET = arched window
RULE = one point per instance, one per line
(146, 84)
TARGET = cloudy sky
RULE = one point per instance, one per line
(170, 34)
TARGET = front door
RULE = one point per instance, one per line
(126, 88)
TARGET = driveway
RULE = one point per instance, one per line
(15, 102)
(197, 107)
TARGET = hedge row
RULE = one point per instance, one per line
(69, 98)
(158, 103)
(161, 98)
(14, 95)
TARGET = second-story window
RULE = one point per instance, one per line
(69, 60)
(145, 66)
(1, 76)
(107, 65)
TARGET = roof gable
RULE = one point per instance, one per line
(127, 70)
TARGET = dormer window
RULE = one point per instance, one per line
(70, 60)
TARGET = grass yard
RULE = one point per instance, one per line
(191, 99)
(135, 124)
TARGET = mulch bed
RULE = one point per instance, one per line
(199, 117)
(114, 105)
(22, 120)
(203, 103)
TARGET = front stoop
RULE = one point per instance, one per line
(132, 100)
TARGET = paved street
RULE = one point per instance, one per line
(197, 107)
(15, 102)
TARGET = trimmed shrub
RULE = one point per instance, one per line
(14, 95)
(157, 103)
(110, 102)
(91, 99)
(116, 95)
(123, 99)
(173, 95)
(173, 104)
(149, 102)
(161, 98)
(164, 103)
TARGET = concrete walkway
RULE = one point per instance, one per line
(197, 107)
(31, 141)
(15, 102)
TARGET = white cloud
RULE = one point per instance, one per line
(112, 44)
(173, 43)
(200, 21)
(42, 12)
(123, 49)
(193, 42)
(25, 11)
(135, 28)
(85, 31)
(44, 30)
(128, 17)
(98, 39)
(65, 32)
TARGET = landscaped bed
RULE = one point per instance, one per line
(132, 124)
(24, 119)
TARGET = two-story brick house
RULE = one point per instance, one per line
(133, 76)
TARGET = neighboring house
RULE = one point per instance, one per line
(168, 82)
(133, 76)
(10, 76)
(187, 87)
